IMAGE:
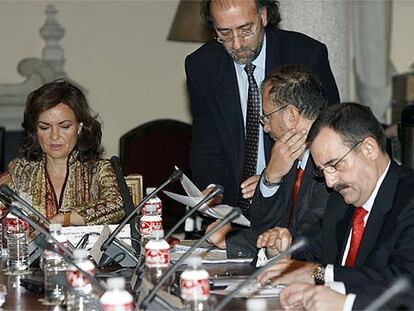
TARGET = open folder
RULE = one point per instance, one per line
(194, 195)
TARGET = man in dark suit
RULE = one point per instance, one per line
(367, 232)
(292, 100)
(218, 86)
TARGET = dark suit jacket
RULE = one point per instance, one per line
(387, 246)
(218, 145)
(274, 211)
(371, 291)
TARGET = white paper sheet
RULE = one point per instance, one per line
(252, 290)
(194, 195)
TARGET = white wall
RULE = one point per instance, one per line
(116, 49)
(119, 52)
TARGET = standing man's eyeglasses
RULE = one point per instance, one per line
(243, 33)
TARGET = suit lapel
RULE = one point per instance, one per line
(382, 204)
(304, 197)
(228, 99)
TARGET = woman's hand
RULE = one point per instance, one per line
(75, 219)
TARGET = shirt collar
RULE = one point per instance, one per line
(368, 204)
(303, 160)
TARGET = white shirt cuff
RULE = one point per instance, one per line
(329, 274)
(267, 191)
(339, 287)
(349, 302)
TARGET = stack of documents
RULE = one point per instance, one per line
(194, 195)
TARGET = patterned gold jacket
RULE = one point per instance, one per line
(90, 188)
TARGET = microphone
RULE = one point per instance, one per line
(229, 217)
(9, 193)
(218, 189)
(400, 285)
(214, 191)
(174, 176)
(44, 244)
(300, 243)
(126, 198)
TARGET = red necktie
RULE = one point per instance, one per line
(296, 187)
(357, 232)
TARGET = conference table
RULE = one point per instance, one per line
(19, 299)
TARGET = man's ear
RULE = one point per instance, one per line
(370, 148)
(263, 16)
(292, 115)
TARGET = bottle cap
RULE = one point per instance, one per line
(157, 234)
(194, 261)
(55, 227)
(116, 283)
(80, 254)
(148, 190)
(256, 304)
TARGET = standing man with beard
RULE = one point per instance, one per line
(224, 78)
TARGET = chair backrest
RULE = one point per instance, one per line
(152, 150)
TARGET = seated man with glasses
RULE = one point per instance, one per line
(288, 194)
(224, 77)
(367, 233)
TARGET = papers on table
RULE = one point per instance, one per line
(195, 196)
(75, 233)
(251, 290)
(208, 253)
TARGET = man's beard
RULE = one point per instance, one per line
(253, 52)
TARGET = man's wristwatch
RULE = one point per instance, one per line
(268, 183)
(318, 275)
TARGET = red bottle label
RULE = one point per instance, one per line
(194, 289)
(157, 258)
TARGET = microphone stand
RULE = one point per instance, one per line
(229, 217)
(214, 191)
(67, 253)
(218, 189)
(8, 192)
(301, 242)
(175, 175)
(400, 285)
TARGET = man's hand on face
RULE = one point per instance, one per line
(285, 152)
(248, 186)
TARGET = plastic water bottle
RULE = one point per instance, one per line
(54, 266)
(82, 287)
(194, 286)
(157, 258)
(148, 222)
(153, 201)
(116, 298)
(17, 232)
(256, 304)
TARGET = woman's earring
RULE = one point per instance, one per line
(80, 127)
